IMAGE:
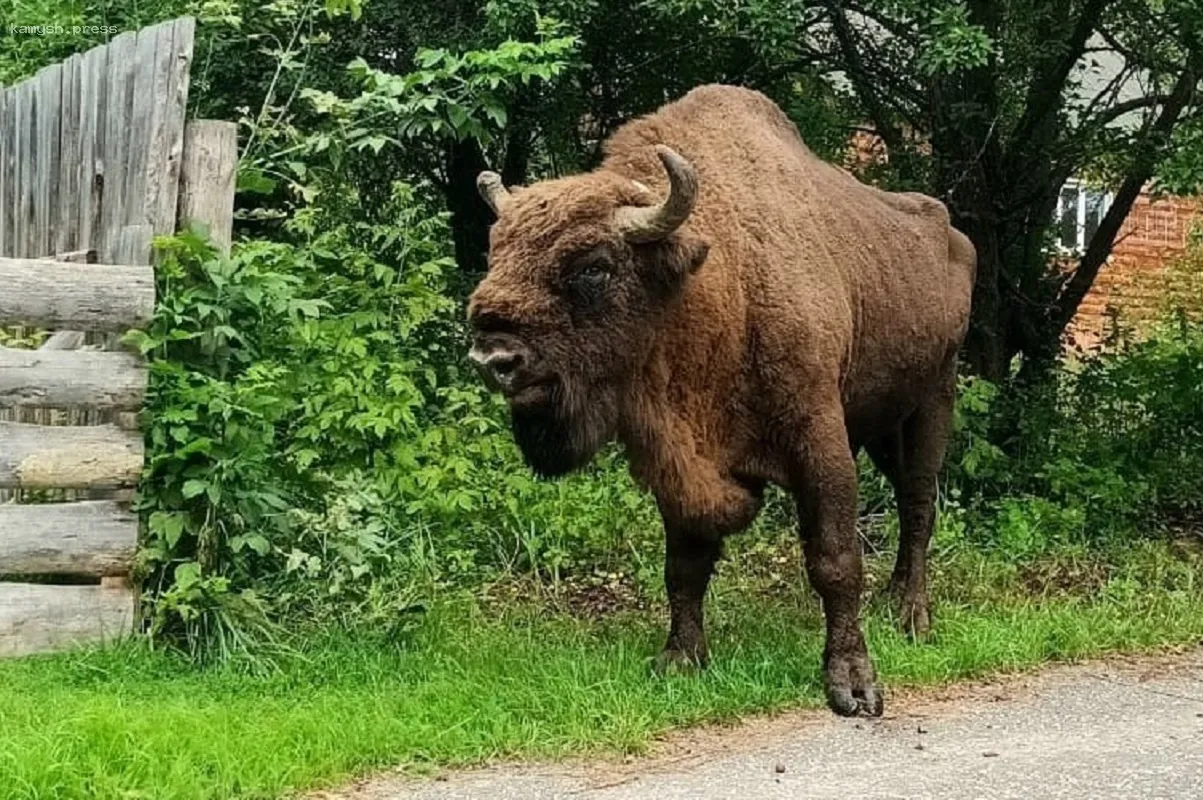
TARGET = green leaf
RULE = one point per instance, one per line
(187, 574)
(194, 487)
(255, 182)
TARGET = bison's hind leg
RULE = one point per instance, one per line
(910, 458)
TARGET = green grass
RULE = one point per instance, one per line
(469, 685)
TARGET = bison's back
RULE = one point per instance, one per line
(831, 271)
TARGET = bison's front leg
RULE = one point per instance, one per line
(688, 565)
(705, 507)
(825, 485)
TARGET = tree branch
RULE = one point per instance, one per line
(1115, 44)
(1101, 244)
(860, 78)
(1116, 111)
(898, 29)
(1045, 93)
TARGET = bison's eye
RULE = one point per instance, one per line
(589, 279)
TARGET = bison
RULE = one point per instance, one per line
(735, 312)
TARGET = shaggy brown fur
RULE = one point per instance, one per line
(795, 317)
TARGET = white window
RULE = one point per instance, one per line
(1080, 209)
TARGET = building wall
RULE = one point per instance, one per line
(1137, 283)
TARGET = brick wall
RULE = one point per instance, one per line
(1136, 283)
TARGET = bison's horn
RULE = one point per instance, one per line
(649, 223)
(493, 190)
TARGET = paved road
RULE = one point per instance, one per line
(1121, 729)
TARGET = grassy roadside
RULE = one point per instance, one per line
(468, 685)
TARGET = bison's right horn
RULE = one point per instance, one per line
(493, 191)
(649, 223)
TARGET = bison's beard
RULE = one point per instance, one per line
(560, 436)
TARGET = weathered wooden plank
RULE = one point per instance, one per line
(53, 295)
(65, 219)
(207, 178)
(8, 202)
(48, 85)
(118, 111)
(12, 205)
(133, 244)
(139, 127)
(68, 457)
(71, 379)
(23, 210)
(168, 141)
(93, 538)
(92, 102)
(36, 618)
(161, 110)
(5, 209)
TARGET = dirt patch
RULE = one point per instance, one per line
(1065, 576)
(589, 597)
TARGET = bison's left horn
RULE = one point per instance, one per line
(492, 189)
(649, 223)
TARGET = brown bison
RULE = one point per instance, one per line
(734, 311)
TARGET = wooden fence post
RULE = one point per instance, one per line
(207, 176)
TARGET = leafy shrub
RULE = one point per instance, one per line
(318, 448)
(1109, 448)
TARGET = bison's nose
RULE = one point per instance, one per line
(498, 366)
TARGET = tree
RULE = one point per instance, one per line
(996, 93)
(986, 104)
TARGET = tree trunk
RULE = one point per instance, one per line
(470, 215)
(965, 159)
(986, 349)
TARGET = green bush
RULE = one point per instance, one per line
(1106, 449)
(318, 447)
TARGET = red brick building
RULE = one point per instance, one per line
(1137, 283)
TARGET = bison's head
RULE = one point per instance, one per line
(581, 270)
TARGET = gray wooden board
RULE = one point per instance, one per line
(48, 99)
(47, 378)
(90, 297)
(171, 148)
(35, 618)
(23, 211)
(68, 457)
(118, 102)
(5, 205)
(207, 178)
(66, 212)
(138, 127)
(93, 538)
(92, 100)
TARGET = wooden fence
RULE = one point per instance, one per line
(76, 540)
(92, 149)
(95, 160)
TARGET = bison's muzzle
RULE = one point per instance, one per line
(501, 368)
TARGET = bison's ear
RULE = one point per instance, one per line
(669, 262)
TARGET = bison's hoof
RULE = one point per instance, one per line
(672, 661)
(851, 687)
(914, 614)
(914, 617)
